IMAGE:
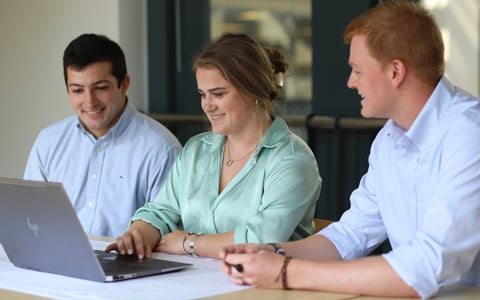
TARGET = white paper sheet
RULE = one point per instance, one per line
(202, 280)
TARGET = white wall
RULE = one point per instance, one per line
(459, 21)
(33, 35)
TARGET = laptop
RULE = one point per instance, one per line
(40, 230)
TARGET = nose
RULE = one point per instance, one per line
(208, 103)
(350, 82)
(90, 98)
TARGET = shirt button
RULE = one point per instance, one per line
(98, 149)
(94, 176)
(90, 204)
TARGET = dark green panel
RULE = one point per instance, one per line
(194, 36)
(330, 57)
(177, 31)
(342, 155)
(160, 56)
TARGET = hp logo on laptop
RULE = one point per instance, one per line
(33, 227)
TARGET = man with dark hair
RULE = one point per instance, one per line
(110, 158)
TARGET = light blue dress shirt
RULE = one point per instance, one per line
(422, 191)
(107, 179)
(271, 199)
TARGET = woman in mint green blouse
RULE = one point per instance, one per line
(250, 179)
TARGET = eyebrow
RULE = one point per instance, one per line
(214, 89)
(95, 83)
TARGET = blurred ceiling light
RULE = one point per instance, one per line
(304, 31)
(435, 4)
(253, 15)
(233, 27)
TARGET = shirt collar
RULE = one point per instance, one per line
(429, 117)
(277, 131)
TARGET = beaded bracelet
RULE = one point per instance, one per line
(283, 271)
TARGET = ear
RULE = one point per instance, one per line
(398, 71)
(125, 84)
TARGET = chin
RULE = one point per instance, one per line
(364, 114)
(217, 131)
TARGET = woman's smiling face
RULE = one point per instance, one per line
(228, 111)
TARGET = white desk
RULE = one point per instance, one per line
(203, 281)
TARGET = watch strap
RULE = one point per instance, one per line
(278, 248)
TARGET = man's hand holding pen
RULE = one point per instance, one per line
(254, 264)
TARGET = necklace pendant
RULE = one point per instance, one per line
(229, 162)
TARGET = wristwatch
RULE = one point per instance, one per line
(278, 249)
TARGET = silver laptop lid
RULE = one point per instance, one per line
(39, 230)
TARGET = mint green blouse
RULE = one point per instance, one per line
(271, 199)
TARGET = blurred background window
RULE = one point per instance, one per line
(285, 24)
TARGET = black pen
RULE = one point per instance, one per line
(238, 267)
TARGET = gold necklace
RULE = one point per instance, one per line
(230, 161)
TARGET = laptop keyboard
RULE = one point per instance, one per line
(114, 264)
(113, 267)
(121, 267)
